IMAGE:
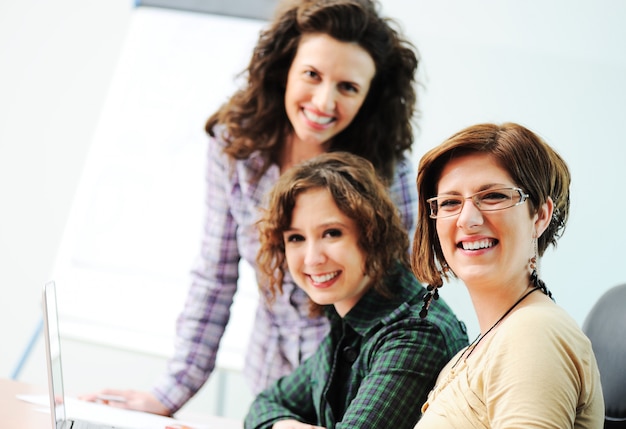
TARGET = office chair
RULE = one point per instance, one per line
(605, 326)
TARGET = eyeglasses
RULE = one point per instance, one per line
(485, 201)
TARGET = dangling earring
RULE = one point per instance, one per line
(534, 275)
(533, 259)
(445, 269)
(433, 293)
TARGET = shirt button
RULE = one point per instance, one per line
(350, 354)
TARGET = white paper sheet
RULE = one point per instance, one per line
(99, 413)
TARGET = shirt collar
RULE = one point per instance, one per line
(374, 309)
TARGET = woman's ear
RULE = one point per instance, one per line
(544, 216)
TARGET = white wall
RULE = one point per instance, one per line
(56, 62)
(557, 67)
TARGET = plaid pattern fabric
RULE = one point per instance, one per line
(284, 335)
(398, 357)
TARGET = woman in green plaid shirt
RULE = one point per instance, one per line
(331, 222)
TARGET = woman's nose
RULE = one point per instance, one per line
(470, 215)
(314, 254)
(324, 98)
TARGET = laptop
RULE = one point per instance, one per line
(55, 371)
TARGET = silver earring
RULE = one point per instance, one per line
(533, 259)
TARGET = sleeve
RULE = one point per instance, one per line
(290, 397)
(402, 370)
(534, 376)
(403, 193)
(202, 322)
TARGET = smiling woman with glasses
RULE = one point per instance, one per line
(492, 198)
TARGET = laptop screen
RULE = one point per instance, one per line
(53, 354)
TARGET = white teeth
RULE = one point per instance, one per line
(475, 245)
(325, 277)
(321, 120)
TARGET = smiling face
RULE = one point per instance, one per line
(322, 252)
(327, 84)
(484, 248)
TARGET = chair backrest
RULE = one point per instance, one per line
(605, 326)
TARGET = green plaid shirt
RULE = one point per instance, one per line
(373, 370)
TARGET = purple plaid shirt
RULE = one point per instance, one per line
(284, 334)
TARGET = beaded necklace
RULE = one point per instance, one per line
(479, 338)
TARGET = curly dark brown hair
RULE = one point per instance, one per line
(254, 118)
(359, 194)
(533, 165)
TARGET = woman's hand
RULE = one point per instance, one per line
(294, 424)
(128, 399)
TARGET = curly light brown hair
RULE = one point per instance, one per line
(254, 118)
(359, 194)
(532, 164)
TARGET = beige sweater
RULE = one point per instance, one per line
(535, 370)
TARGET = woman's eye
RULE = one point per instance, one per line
(450, 203)
(332, 233)
(311, 74)
(348, 87)
(494, 197)
(294, 238)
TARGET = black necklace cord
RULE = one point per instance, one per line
(478, 339)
